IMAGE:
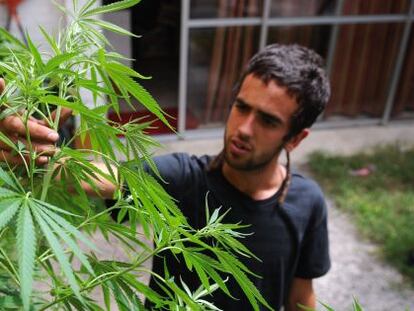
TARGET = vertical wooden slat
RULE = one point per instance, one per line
(342, 61)
(232, 57)
(215, 64)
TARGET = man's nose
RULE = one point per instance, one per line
(247, 125)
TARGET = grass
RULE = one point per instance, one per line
(382, 203)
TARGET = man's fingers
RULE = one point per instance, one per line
(14, 125)
(9, 157)
(39, 148)
(2, 85)
(65, 114)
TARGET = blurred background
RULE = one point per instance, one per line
(196, 49)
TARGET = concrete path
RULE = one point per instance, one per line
(357, 271)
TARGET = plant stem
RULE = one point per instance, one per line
(30, 146)
(46, 179)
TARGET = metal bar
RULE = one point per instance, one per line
(224, 22)
(337, 20)
(346, 123)
(296, 21)
(332, 46)
(182, 86)
(264, 27)
(398, 66)
(334, 38)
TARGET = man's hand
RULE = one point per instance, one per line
(42, 137)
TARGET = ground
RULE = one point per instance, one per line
(357, 271)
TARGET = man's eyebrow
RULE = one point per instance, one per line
(270, 117)
(263, 114)
(241, 101)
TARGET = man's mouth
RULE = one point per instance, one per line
(238, 147)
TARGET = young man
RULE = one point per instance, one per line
(280, 95)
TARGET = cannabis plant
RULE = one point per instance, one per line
(47, 257)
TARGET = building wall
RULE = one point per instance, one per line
(32, 14)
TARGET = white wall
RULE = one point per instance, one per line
(121, 44)
(32, 14)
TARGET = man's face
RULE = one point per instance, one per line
(258, 121)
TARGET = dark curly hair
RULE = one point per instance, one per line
(301, 71)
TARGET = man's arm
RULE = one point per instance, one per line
(301, 292)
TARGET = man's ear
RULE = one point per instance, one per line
(296, 140)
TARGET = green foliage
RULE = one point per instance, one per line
(44, 219)
(356, 306)
(382, 203)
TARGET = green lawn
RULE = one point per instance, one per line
(382, 203)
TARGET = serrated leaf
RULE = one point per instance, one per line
(10, 181)
(8, 209)
(35, 52)
(6, 193)
(4, 67)
(76, 107)
(111, 27)
(140, 94)
(356, 305)
(113, 7)
(327, 307)
(68, 227)
(55, 208)
(59, 253)
(26, 245)
(5, 34)
(58, 60)
(94, 87)
(86, 6)
(236, 269)
(50, 40)
(121, 68)
(49, 217)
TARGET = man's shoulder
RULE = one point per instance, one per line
(181, 168)
(305, 199)
(302, 186)
(182, 161)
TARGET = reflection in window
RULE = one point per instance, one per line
(287, 8)
(363, 65)
(225, 8)
(217, 57)
(364, 7)
(314, 37)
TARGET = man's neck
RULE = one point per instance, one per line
(258, 184)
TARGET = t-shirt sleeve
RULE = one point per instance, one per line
(172, 174)
(314, 258)
(174, 170)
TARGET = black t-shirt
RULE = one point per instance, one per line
(291, 239)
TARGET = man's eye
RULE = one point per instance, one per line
(269, 121)
(241, 107)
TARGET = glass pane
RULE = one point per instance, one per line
(217, 57)
(156, 54)
(289, 8)
(367, 7)
(225, 8)
(314, 37)
(404, 99)
(364, 61)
